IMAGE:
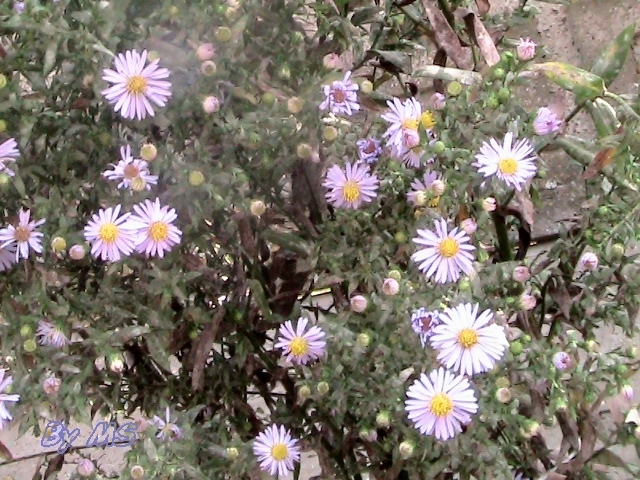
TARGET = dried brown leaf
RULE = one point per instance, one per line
(5, 453)
(483, 6)
(446, 38)
(202, 348)
(560, 294)
(603, 158)
(480, 35)
(525, 207)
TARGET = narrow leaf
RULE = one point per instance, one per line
(611, 60)
(585, 85)
(603, 158)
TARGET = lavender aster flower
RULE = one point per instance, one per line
(276, 450)
(369, 150)
(439, 404)
(526, 49)
(135, 85)
(341, 96)
(404, 118)
(7, 257)
(110, 234)
(8, 153)
(128, 169)
(299, 344)
(19, 7)
(156, 231)
(546, 122)
(422, 192)
(444, 254)
(5, 416)
(423, 322)
(24, 236)
(562, 361)
(351, 187)
(50, 335)
(167, 429)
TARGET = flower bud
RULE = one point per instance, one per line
(30, 345)
(502, 382)
(439, 147)
(85, 467)
(368, 435)
(77, 252)
(366, 87)
(627, 391)
(4, 180)
(137, 472)
(304, 150)
(363, 339)
(406, 449)
(223, 34)
(489, 204)
(206, 51)
(454, 88)
(51, 385)
(390, 286)
(138, 184)
(562, 361)
(527, 302)
(395, 274)
(153, 55)
(148, 152)
(400, 237)
(232, 453)
(208, 68)
(516, 348)
(358, 303)
(530, 428)
(196, 178)
(3, 81)
(469, 226)
(304, 392)
(521, 274)
(26, 331)
(211, 104)
(383, 419)
(526, 49)
(87, 81)
(323, 388)
(561, 405)
(438, 101)
(3, 126)
(100, 363)
(58, 244)
(295, 104)
(503, 395)
(438, 187)
(142, 424)
(330, 133)
(257, 207)
(617, 251)
(116, 364)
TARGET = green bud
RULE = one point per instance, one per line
(499, 73)
(400, 237)
(366, 87)
(297, 38)
(268, 98)
(196, 178)
(174, 11)
(152, 55)
(304, 150)
(30, 345)
(3, 126)
(330, 133)
(504, 94)
(58, 244)
(383, 419)
(464, 285)
(525, 338)
(603, 210)
(363, 339)
(232, 453)
(3, 81)
(223, 34)
(295, 104)
(621, 369)
(542, 173)
(304, 392)
(492, 102)
(406, 449)
(503, 382)
(284, 72)
(617, 251)
(148, 152)
(137, 472)
(454, 88)
(4, 180)
(439, 147)
(395, 274)
(194, 333)
(482, 255)
(516, 347)
(323, 388)
(26, 331)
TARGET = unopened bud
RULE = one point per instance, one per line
(148, 152)
(366, 87)
(137, 472)
(489, 204)
(627, 391)
(406, 449)
(363, 339)
(330, 133)
(503, 382)
(395, 274)
(617, 251)
(561, 405)
(51, 385)
(503, 395)
(208, 68)
(530, 428)
(85, 467)
(116, 364)
(400, 237)
(257, 208)
(383, 419)
(295, 104)
(100, 363)
(138, 184)
(516, 348)
(304, 150)
(323, 388)
(438, 187)
(527, 302)
(196, 178)
(521, 274)
(26, 331)
(368, 435)
(87, 81)
(3, 81)
(331, 60)
(454, 88)
(153, 55)
(4, 180)
(232, 453)
(30, 345)
(390, 286)
(77, 252)
(358, 303)
(469, 226)
(223, 34)
(3, 126)
(58, 244)
(211, 104)
(304, 392)
(206, 51)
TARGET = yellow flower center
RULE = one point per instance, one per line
(468, 338)
(427, 120)
(351, 191)
(108, 232)
(433, 203)
(158, 231)
(22, 234)
(137, 85)
(279, 452)
(441, 405)
(410, 124)
(508, 166)
(299, 346)
(448, 247)
(130, 171)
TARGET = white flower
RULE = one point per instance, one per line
(24, 236)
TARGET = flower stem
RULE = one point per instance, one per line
(504, 249)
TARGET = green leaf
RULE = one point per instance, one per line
(288, 241)
(603, 116)
(585, 85)
(260, 297)
(128, 333)
(49, 58)
(610, 61)
(362, 16)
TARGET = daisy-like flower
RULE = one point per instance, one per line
(135, 85)
(50, 335)
(276, 450)
(128, 169)
(24, 236)
(167, 429)
(421, 192)
(467, 342)
(546, 122)
(444, 254)
(350, 187)
(514, 165)
(8, 153)
(111, 235)
(439, 404)
(299, 344)
(341, 96)
(404, 118)
(7, 257)
(423, 322)
(156, 232)
(369, 150)
(5, 416)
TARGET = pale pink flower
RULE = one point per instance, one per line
(546, 122)
(154, 224)
(276, 450)
(469, 226)
(136, 85)
(562, 361)
(341, 96)
(521, 274)
(527, 302)
(526, 49)
(358, 303)
(111, 235)
(51, 385)
(23, 236)
(301, 345)
(588, 261)
(390, 286)
(438, 101)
